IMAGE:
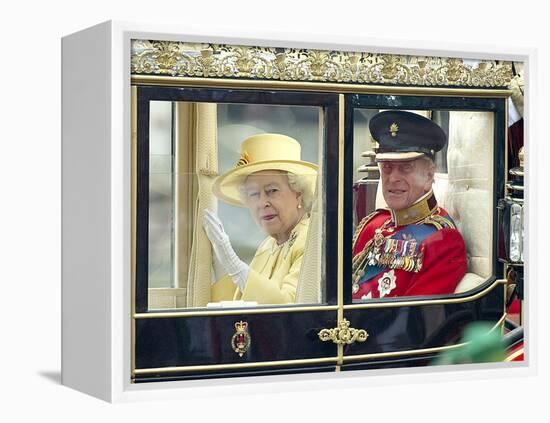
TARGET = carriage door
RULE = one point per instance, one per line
(183, 139)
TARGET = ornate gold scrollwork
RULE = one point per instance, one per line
(343, 334)
(291, 64)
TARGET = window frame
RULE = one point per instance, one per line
(495, 105)
(329, 103)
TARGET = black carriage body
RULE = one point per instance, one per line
(185, 344)
(398, 336)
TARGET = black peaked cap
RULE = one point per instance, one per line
(405, 135)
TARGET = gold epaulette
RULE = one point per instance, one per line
(440, 222)
(362, 224)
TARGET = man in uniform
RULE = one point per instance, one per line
(413, 247)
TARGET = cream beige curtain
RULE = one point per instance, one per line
(196, 166)
(309, 289)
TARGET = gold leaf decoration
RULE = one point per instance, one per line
(289, 64)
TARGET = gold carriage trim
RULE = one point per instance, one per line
(343, 334)
(181, 59)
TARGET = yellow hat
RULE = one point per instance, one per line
(262, 152)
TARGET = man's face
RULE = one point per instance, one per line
(404, 182)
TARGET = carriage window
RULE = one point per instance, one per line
(423, 205)
(235, 205)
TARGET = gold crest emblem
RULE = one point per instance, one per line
(241, 339)
(394, 129)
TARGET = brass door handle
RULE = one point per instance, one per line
(343, 334)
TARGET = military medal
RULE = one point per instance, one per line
(355, 286)
(386, 283)
(378, 238)
(241, 339)
(390, 253)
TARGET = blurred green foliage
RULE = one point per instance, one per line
(481, 345)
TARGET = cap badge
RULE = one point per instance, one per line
(393, 129)
(244, 159)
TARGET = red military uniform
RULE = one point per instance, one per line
(416, 251)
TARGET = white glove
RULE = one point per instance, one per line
(219, 270)
(223, 251)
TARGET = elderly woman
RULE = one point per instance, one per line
(277, 187)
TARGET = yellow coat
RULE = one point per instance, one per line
(274, 272)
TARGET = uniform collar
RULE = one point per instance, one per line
(424, 207)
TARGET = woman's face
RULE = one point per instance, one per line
(272, 203)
